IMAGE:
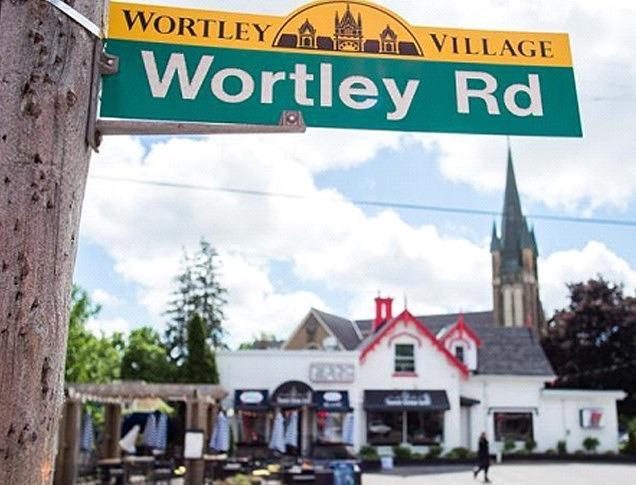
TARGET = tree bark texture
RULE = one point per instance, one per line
(45, 73)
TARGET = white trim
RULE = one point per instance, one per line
(578, 393)
(323, 354)
(326, 327)
(302, 324)
(511, 377)
(357, 330)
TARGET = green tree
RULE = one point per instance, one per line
(198, 292)
(89, 358)
(146, 358)
(592, 343)
(199, 366)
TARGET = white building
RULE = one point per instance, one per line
(431, 380)
(408, 383)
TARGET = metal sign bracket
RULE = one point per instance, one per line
(105, 64)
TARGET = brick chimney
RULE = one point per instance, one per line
(383, 312)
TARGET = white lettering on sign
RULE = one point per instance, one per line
(176, 64)
(408, 399)
(354, 92)
(487, 94)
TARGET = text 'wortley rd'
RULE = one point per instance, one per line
(366, 68)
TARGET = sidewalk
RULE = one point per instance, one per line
(526, 474)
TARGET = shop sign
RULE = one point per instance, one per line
(294, 400)
(408, 399)
(292, 394)
(332, 397)
(326, 373)
(342, 64)
(592, 418)
(251, 397)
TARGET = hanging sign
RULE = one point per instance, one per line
(342, 64)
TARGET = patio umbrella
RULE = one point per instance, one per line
(151, 431)
(220, 440)
(127, 443)
(87, 440)
(329, 429)
(161, 441)
(291, 433)
(277, 441)
(348, 429)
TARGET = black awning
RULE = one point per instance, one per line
(468, 401)
(337, 401)
(253, 400)
(406, 401)
(292, 394)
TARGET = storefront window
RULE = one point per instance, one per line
(404, 358)
(425, 428)
(513, 426)
(329, 426)
(252, 428)
(385, 428)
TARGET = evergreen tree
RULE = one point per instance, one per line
(199, 366)
(592, 343)
(198, 292)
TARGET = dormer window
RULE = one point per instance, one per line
(459, 354)
(404, 358)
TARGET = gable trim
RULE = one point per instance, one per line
(464, 329)
(313, 313)
(406, 317)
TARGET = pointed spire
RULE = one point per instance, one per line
(512, 224)
(495, 243)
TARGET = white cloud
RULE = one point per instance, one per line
(108, 326)
(328, 240)
(576, 265)
(598, 170)
(102, 297)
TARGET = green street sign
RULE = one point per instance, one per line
(174, 66)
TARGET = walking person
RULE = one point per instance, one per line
(483, 458)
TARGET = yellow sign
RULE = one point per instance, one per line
(336, 27)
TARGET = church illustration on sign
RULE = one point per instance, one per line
(348, 36)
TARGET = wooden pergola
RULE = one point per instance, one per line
(201, 407)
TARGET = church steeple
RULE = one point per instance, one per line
(514, 263)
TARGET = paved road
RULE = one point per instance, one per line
(535, 474)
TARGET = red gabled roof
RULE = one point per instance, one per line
(406, 316)
(462, 327)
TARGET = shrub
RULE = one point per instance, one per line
(509, 445)
(579, 452)
(369, 453)
(629, 448)
(562, 447)
(590, 444)
(530, 445)
(402, 452)
(550, 451)
(417, 456)
(434, 452)
(458, 454)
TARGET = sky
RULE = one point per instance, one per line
(279, 257)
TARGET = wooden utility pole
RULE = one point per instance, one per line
(45, 77)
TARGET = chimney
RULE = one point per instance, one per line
(383, 312)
